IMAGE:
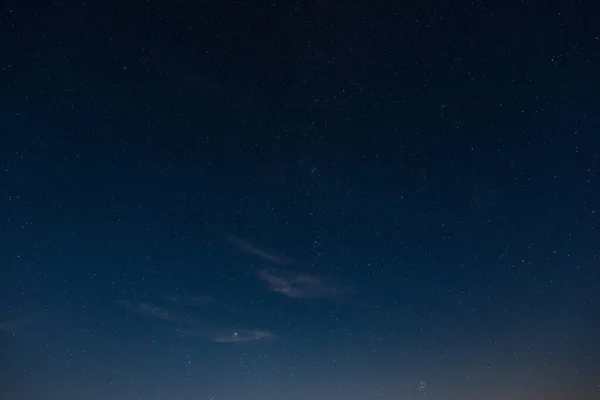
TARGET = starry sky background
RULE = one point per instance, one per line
(299, 200)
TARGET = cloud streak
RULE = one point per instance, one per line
(191, 327)
(236, 335)
(301, 286)
(291, 284)
(247, 247)
(204, 301)
(161, 313)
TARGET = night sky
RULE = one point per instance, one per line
(299, 200)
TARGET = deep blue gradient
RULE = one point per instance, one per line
(299, 200)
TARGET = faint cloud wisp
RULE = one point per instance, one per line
(201, 300)
(191, 327)
(237, 336)
(301, 286)
(247, 247)
(153, 311)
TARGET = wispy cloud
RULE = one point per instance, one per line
(249, 248)
(195, 328)
(301, 286)
(291, 284)
(201, 300)
(235, 335)
(153, 311)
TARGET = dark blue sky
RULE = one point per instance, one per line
(299, 200)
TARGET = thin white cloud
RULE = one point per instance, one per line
(242, 336)
(191, 327)
(301, 286)
(220, 335)
(247, 247)
(201, 300)
(153, 311)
